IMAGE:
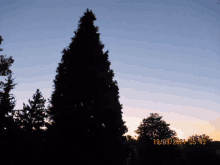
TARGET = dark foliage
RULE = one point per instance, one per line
(203, 154)
(5, 63)
(200, 149)
(31, 121)
(133, 157)
(8, 128)
(199, 139)
(7, 102)
(87, 115)
(155, 128)
(7, 105)
(34, 115)
(151, 129)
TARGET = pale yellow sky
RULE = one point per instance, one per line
(184, 125)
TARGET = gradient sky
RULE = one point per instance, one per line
(165, 55)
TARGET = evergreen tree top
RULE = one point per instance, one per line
(88, 17)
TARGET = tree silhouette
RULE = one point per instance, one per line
(5, 63)
(149, 130)
(199, 139)
(8, 128)
(155, 128)
(32, 135)
(7, 105)
(33, 118)
(84, 105)
(7, 101)
(200, 149)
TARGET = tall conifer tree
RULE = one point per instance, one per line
(85, 103)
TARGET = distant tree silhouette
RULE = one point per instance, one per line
(199, 139)
(155, 128)
(149, 130)
(84, 105)
(31, 121)
(198, 151)
(34, 115)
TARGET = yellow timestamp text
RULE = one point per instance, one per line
(179, 142)
(169, 141)
(199, 141)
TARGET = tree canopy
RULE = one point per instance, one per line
(151, 129)
(154, 128)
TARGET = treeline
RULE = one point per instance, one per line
(157, 144)
(85, 116)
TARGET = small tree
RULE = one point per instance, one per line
(154, 128)
(31, 122)
(151, 129)
(33, 118)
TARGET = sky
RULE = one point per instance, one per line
(165, 55)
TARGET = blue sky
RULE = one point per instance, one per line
(165, 55)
